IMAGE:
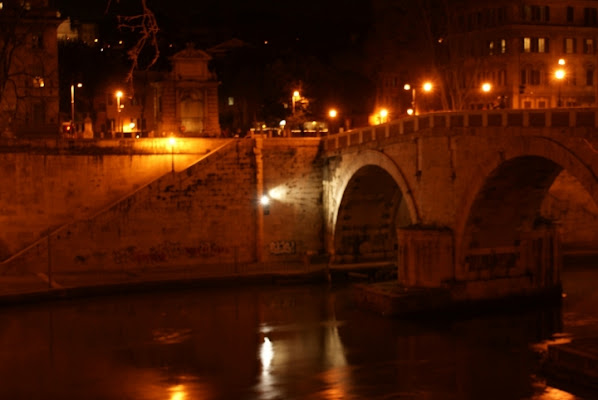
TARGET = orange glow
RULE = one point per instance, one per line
(559, 74)
(332, 113)
(486, 87)
(428, 87)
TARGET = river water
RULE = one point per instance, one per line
(280, 342)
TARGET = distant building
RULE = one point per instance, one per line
(515, 46)
(86, 32)
(186, 99)
(180, 102)
(29, 51)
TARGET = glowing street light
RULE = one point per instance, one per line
(118, 95)
(332, 113)
(560, 74)
(426, 87)
(486, 87)
(295, 98)
(383, 115)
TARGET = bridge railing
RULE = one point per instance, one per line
(525, 118)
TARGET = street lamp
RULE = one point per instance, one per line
(426, 87)
(73, 104)
(332, 113)
(383, 115)
(560, 74)
(118, 95)
(295, 98)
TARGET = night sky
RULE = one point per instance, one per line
(329, 23)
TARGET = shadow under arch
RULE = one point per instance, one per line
(372, 199)
(506, 193)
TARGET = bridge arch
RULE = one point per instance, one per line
(369, 197)
(507, 190)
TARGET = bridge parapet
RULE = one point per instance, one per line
(520, 118)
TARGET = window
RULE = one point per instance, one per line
(534, 77)
(527, 45)
(590, 16)
(535, 13)
(491, 48)
(542, 45)
(531, 76)
(535, 45)
(231, 101)
(570, 14)
(502, 77)
(503, 46)
(569, 45)
(590, 76)
(588, 46)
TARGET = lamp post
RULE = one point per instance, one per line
(560, 74)
(332, 113)
(486, 88)
(73, 104)
(426, 87)
(296, 96)
(118, 95)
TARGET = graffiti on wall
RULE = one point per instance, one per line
(168, 251)
(282, 247)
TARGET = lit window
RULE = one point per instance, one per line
(231, 101)
(527, 45)
(542, 42)
(1, 5)
(38, 82)
(588, 46)
(503, 46)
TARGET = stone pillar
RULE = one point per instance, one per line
(425, 257)
(541, 256)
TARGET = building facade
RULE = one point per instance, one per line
(531, 54)
(186, 99)
(29, 78)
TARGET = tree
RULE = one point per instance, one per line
(145, 51)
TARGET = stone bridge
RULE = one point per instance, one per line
(458, 197)
(476, 201)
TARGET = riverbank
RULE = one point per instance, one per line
(17, 289)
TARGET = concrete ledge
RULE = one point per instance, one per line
(393, 299)
(573, 365)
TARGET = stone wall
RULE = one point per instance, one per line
(205, 215)
(293, 222)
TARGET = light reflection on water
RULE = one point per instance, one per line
(293, 342)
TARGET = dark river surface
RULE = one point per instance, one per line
(280, 342)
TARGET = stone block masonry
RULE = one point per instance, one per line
(205, 215)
